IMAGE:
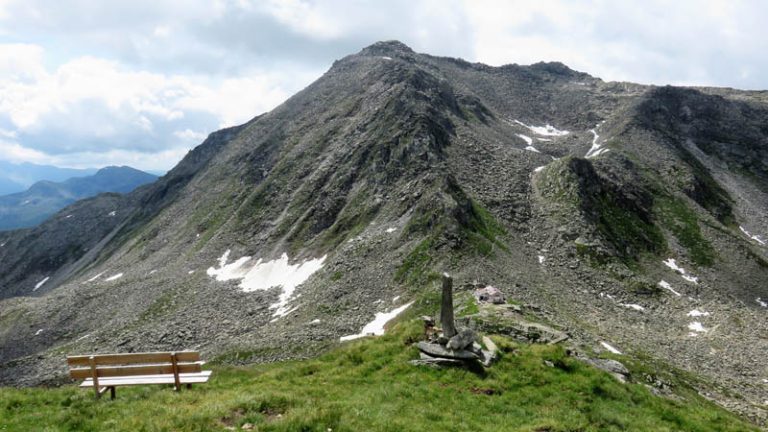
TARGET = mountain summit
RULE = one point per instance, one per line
(628, 216)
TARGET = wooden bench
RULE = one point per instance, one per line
(107, 371)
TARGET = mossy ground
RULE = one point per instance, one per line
(683, 223)
(369, 385)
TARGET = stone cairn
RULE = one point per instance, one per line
(452, 345)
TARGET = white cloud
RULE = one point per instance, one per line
(309, 18)
(235, 100)
(190, 135)
(661, 42)
(15, 152)
(90, 106)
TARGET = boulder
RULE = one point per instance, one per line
(436, 350)
(462, 340)
(490, 294)
(615, 368)
(428, 360)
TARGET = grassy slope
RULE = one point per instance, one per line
(368, 385)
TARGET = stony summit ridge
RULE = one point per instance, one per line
(625, 216)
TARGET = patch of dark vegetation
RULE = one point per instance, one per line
(619, 212)
(416, 268)
(683, 223)
(448, 220)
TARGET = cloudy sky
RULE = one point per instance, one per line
(89, 83)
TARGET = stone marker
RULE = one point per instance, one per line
(446, 308)
(436, 350)
(462, 340)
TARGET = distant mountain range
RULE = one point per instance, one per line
(19, 177)
(44, 198)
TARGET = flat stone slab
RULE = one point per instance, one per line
(427, 360)
(436, 350)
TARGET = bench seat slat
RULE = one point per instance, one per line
(149, 369)
(185, 378)
(127, 358)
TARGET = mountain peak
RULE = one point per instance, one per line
(387, 48)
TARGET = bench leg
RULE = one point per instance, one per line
(112, 393)
(189, 386)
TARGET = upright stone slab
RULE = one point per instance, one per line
(446, 308)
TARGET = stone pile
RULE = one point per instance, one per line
(452, 345)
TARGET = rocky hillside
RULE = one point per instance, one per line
(631, 217)
(44, 198)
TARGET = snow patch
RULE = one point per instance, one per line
(528, 140)
(115, 277)
(376, 327)
(673, 265)
(596, 149)
(391, 230)
(664, 284)
(315, 321)
(761, 302)
(191, 272)
(83, 337)
(542, 259)
(386, 58)
(394, 300)
(112, 213)
(697, 313)
(696, 327)
(41, 283)
(95, 277)
(546, 130)
(38, 332)
(532, 148)
(68, 216)
(284, 313)
(540, 168)
(264, 275)
(636, 307)
(752, 237)
(610, 348)
(691, 279)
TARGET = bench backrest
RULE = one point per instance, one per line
(133, 364)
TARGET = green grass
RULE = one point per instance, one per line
(416, 267)
(683, 223)
(482, 231)
(369, 386)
